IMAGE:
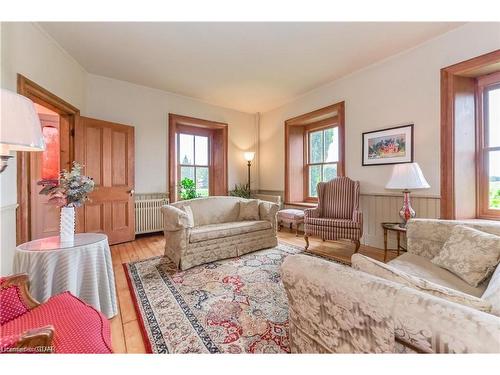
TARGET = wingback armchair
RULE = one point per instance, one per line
(337, 215)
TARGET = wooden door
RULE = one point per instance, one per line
(107, 152)
(44, 217)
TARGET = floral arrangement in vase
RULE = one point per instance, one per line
(70, 191)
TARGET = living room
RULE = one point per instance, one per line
(250, 187)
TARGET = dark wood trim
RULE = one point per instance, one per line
(45, 98)
(313, 121)
(218, 151)
(306, 118)
(448, 209)
(482, 149)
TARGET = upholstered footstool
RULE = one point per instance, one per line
(290, 217)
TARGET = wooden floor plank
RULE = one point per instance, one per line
(125, 330)
(133, 337)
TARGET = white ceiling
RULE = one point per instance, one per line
(251, 67)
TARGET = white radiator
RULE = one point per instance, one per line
(148, 216)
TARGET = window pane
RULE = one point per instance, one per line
(186, 149)
(329, 172)
(187, 172)
(202, 181)
(331, 145)
(494, 118)
(316, 147)
(314, 179)
(494, 178)
(201, 150)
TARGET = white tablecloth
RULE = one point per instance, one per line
(83, 268)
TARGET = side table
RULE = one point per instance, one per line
(83, 268)
(396, 228)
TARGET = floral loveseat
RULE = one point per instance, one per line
(339, 309)
(204, 230)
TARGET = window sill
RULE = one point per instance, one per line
(302, 204)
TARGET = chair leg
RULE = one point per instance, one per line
(307, 241)
(358, 244)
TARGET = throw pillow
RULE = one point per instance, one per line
(388, 272)
(470, 254)
(190, 216)
(249, 210)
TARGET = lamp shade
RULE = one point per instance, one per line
(407, 176)
(249, 156)
(20, 128)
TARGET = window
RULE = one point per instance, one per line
(194, 161)
(198, 151)
(314, 152)
(488, 146)
(323, 157)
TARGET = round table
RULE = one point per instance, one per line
(83, 267)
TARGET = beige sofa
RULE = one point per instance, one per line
(339, 309)
(216, 232)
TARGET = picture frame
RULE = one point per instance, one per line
(388, 146)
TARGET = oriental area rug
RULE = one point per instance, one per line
(235, 305)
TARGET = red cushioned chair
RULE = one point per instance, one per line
(63, 324)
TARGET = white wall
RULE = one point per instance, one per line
(26, 49)
(147, 109)
(402, 89)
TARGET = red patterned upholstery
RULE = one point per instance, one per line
(11, 304)
(78, 327)
(337, 215)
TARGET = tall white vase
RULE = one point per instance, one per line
(67, 225)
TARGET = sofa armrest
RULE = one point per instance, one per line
(175, 219)
(20, 280)
(312, 213)
(334, 308)
(267, 211)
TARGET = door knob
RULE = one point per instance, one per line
(131, 192)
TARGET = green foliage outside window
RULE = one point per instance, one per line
(494, 193)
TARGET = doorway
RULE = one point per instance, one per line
(106, 150)
(34, 217)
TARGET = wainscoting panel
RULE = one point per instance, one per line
(7, 238)
(379, 208)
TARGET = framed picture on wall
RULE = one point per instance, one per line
(388, 146)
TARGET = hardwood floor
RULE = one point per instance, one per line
(125, 330)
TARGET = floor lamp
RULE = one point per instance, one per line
(249, 156)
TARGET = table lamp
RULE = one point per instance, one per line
(20, 128)
(407, 177)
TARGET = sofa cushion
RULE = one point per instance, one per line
(470, 254)
(249, 210)
(78, 327)
(214, 231)
(388, 272)
(190, 218)
(422, 267)
(338, 223)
